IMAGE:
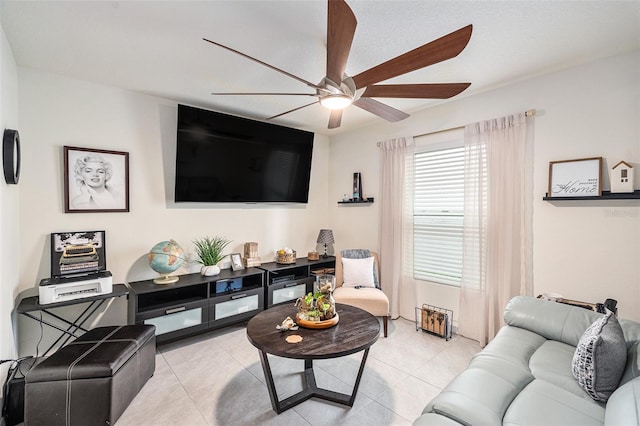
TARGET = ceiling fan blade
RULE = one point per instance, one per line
(308, 83)
(446, 47)
(380, 109)
(423, 91)
(335, 119)
(341, 26)
(262, 93)
(291, 110)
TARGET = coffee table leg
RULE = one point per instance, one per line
(310, 389)
(273, 395)
(360, 371)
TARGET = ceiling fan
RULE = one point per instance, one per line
(337, 90)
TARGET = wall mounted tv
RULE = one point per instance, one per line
(222, 158)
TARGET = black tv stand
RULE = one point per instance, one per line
(197, 303)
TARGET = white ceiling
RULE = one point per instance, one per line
(156, 47)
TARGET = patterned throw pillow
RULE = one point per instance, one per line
(600, 358)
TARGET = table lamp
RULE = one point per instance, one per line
(325, 237)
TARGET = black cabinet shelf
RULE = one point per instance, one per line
(606, 195)
(365, 201)
(287, 282)
(194, 304)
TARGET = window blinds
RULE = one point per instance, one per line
(438, 214)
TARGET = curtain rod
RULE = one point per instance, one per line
(527, 113)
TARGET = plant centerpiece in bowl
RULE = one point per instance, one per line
(209, 251)
(318, 309)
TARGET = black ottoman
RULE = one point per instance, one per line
(92, 380)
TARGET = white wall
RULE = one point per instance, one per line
(9, 218)
(57, 111)
(583, 250)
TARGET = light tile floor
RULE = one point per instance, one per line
(216, 379)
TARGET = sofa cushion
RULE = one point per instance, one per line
(554, 321)
(600, 358)
(478, 396)
(622, 407)
(467, 398)
(552, 363)
(632, 370)
(514, 345)
(542, 403)
(372, 300)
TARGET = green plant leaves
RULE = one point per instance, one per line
(209, 249)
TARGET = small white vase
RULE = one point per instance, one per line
(210, 270)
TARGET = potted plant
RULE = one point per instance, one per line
(209, 251)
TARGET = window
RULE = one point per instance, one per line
(438, 209)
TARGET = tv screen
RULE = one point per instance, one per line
(222, 158)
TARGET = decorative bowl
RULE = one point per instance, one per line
(317, 324)
(286, 258)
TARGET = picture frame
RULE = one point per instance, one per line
(236, 261)
(575, 178)
(95, 180)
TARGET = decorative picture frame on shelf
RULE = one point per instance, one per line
(575, 178)
(236, 261)
(95, 180)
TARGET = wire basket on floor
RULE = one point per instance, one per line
(434, 320)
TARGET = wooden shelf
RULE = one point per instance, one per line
(365, 201)
(606, 195)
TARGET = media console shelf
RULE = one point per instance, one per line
(606, 195)
(287, 282)
(196, 303)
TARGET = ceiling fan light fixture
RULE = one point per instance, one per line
(336, 101)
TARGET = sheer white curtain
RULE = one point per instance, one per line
(497, 236)
(396, 225)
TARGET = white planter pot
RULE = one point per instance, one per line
(210, 270)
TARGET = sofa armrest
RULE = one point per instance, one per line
(555, 321)
(433, 419)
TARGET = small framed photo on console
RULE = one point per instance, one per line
(236, 261)
(95, 180)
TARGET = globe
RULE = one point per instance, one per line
(164, 258)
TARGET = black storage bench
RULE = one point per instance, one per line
(92, 380)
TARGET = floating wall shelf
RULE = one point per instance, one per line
(606, 195)
(365, 201)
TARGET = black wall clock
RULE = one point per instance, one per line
(11, 156)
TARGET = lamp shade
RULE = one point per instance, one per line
(325, 237)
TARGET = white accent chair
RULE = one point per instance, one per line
(370, 299)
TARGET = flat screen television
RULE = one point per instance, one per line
(223, 158)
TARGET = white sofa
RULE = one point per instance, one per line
(524, 375)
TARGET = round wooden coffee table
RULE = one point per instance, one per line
(356, 331)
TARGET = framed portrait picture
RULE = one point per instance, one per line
(95, 180)
(236, 262)
(576, 178)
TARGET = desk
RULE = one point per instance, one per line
(28, 305)
(356, 331)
